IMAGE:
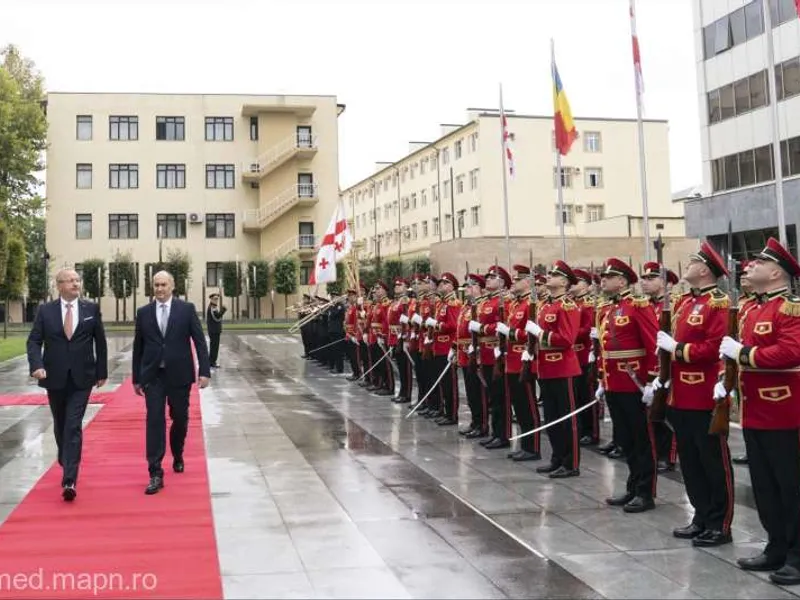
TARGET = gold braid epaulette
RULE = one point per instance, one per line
(640, 301)
(791, 306)
(568, 304)
(719, 300)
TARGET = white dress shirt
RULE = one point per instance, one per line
(159, 310)
(74, 310)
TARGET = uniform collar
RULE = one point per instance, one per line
(696, 292)
(767, 296)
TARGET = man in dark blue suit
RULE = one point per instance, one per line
(163, 372)
(68, 355)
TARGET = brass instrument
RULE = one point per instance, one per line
(316, 310)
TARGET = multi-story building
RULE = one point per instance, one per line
(453, 187)
(221, 177)
(736, 107)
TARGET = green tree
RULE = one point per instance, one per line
(13, 287)
(94, 277)
(369, 272)
(179, 264)
(3, 250)
(150, 269)
(23, 131)
(420, 265)
(260, 286)
(284, 274)
(38, 262)
(336, 288)
(121, 280)
(231, 279)
(392, 268)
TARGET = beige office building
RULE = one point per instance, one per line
(222, 177)
(453, 188)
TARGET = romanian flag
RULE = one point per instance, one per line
(564, 125)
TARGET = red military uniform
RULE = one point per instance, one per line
(583, 340)
(463, 335)
(444, 336)
(519, 312)
(588, 420)
(559, 319)
(396, 309)
(476, 392)
(488, 317)
(379, 328)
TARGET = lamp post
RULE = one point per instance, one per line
(272, 300)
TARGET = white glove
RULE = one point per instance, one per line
(404, 319)
(730, 348)
(360, 301)
(381, 343)
(600, 393)
(474, 327)
(666, 342)
(647, 395)
(365, 337)
(533, 328)
(719, 391)
(593, 334)
(413, 335)
(657, 385)
(470, 349)
(526, 357)
(362, 314)
(451, 355)
(354, 339)
(592, 357)
(428, 341)
(503, 329)
(497, 353)
(416, 319)
(430, 322)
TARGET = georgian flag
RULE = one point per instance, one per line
(637, 57)
(334, 247)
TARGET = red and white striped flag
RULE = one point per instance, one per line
(507, 137)
(334, 247)
(637, 58)
(797, 4)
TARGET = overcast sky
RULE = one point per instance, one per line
(402, 68)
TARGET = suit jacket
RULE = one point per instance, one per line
(82, 359)
(150, 348)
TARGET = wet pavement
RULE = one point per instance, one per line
(320, 489)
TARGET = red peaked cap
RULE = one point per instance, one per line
(449, 277)
(583, 275)
(382, 284)
(561, 268)
(418, 277)
(706, 254)
(431, 278)
(540, 280)
(400, 281)
(522, 271)
(475, 279)
(654, 269)
(363, 286)
(615, 266)
(778, 254)
(498, 271)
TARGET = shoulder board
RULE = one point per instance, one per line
(640, 301)
(454, 302)
(791, 306)
(568, 304)
(719, 299)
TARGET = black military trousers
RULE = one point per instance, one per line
(448, 386)
(706, 468)
(366, 360)
(775, 475)
(404, 367)
(336, 351)
(499, 404)
(476, 399)
(419, 374)
(589, 419)
(558, 398)
(633, 434)
(523, 399)
(433, 402)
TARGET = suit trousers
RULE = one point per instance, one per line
(523, 399)
(633, 433)
(775, 474)
(157, 396)
(68, 406)
(706, 468)
(559, 400)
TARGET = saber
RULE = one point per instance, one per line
(328, 345)
(433, 387)
(377, 362)
(557, 421)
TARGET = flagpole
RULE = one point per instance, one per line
(505, 173)
(559, 182)
(776, 130)
(640, 128)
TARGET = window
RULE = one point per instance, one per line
(83, 127)
(424, 229)
(595, 212)
(254, 129)
(764, 164)
(739, 97)
(460, 184)
(413, 201)
(306, 268)
(123, 177)
(714, 109)
(787, 78)
(473, 179)
(743, 24)
(747, 168)
(461, 220)
(435, 193)
(170, 129)
(83, 176)
(423, 165)
(569, 215)
(448, 223)
(414, 231)
(758, 90)
(754, 19)
(170, 176)
(304, 137)
(219, 129)
(220, 225)
(594, 177)
(782, 11)
(741, 93)
(446, 189)
(458, 148)
(592, 141)
(306, 232)
(423, 197)
(445, 156)
(475, 212)
(727, 103)
(219, 177)
(473, 142)
(83, 227)
(752, 166)
(123, 226)
(214, 274)
(171, 226)
(737, 25)
(436, 226)
(123, 128)
(305, 185)
(566, 177)
(722, 34)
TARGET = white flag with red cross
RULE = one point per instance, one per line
(334, 247)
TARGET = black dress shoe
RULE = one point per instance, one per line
(587, 441)
(469, 429)
(762, 562)
(711, 538)
(498, 443)
(606, 448)
(786, 575)
(156, 483)
(513, 454)
(615, 453)
(477, 433)
(692, 530)
(639, 504)
(487, 441)
(740, 460)
(620, 500)
(524, 456)
(546, 469)
(563, 473)
(69, 493)
(664, 466)
(445, 422)
(177, 465)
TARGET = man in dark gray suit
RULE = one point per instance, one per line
(163, 372)
(68, 355)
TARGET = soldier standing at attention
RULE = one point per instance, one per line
(769, 361)
(588, 420)
(469, 363)
(747, 301)
(214, 315)
(442, 327)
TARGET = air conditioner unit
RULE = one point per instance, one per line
(195, 217)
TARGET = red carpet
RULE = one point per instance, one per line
(113, 541)
(41, 399)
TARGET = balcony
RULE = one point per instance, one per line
(301, 194)
(306, 245)
(302, 146)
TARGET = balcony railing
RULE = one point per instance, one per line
(302, 242)
(281, 152)
(283, 202)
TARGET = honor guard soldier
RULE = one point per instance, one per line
(364, 311)
(351, 331)
(380, 327)
(768, 356)
(398, 309)
(413, 331)
(628, 341)
(556, 328)
(520, 388)
(468, 358)
(442, 327)
(589, 419)
(427, 309)
(497, 281)
(699, 322)
(305, 329)
(654, 287)
(747, 301)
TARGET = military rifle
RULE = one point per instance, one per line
(499, 363)
(658, 409)
(721, 416)
(525, 375)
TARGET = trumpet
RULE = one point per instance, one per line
(316, 310)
